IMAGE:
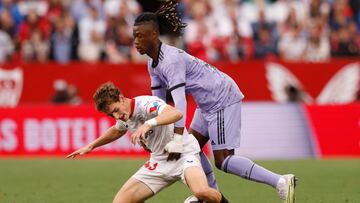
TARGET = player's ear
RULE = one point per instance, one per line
(155, 33)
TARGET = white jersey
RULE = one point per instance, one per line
(145, 108)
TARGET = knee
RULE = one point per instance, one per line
(220, 161)
(220, 156)
(201, 193)
(118, 200)
(122, 198)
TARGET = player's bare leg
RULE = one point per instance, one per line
(196, 180)
(133, 191)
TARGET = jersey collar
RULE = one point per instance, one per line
(159, 57)
(132, 106)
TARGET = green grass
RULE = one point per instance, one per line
(98, 180)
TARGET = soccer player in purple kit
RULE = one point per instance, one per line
(218, 116)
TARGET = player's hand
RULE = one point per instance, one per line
(140, 133)
(81, 151)
(174, 147)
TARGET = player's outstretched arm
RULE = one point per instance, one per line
(81, 151)
(110, 135)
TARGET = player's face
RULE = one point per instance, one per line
(144, 37)
(119, 110)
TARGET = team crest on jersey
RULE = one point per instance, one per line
(154, 106)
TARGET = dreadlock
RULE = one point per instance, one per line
(165, 19)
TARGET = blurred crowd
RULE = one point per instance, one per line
(226, 30)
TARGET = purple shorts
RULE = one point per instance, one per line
(222, 127)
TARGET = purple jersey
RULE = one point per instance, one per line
(212, 89)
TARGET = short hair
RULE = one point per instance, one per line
(105, 95)
(165, 19)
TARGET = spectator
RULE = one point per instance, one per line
(318, 10)
(73, 95)
(7, 23)
(70, 24)
(92, 31)
(318, 46)
(54, 11)
(33, 22)
(345, 44)
(198, 33)
(265, 45)
(81, 9)
(119, 42)
(354, 34)
(289, 23)
(65, 93)
(262, 23)
(292, 44)
(13, 9)
(224, 16)
(61, 41)
(239, 45)
(35, 49)
(340, 15)
(61, 95)
(6, 46)
(127, 9)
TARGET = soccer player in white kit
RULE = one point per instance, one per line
(150, 120)
(218, 116)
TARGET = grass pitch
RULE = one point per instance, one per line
(98, 180)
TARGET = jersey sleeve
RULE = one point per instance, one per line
(176, 77)
(175, 74)
(179, 98)
(158, 89)
(157, 86)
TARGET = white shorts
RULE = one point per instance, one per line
(157, 175)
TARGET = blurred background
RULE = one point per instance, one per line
(296, 61)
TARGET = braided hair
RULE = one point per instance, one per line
(165, 19)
